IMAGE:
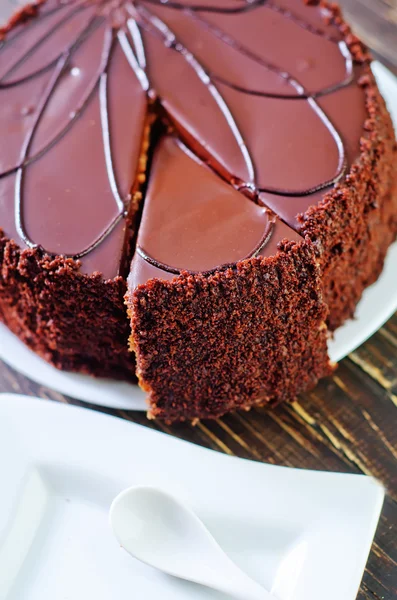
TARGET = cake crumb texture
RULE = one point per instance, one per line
(76, 322)
(247, 336)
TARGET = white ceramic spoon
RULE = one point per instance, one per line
(162, 532)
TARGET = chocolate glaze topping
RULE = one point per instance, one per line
(74, 114)
(264, 92)
(193, 221)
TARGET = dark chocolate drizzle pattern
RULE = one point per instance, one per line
(101, 85)
(168, 269)
(209, 78)
(124, 22)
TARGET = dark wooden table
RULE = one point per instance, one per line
(348, 423)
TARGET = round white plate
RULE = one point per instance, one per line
(378, 303)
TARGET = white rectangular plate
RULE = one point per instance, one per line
(303, 534)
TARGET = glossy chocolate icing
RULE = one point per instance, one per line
(74, 112)
(194, 221)
(265, 92)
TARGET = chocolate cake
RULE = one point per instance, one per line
(235, 157)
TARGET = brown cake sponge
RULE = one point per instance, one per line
(353, 226)
(74, 321)
(245, 336)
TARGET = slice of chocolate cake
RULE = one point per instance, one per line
(225, 311)
(270, 164)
